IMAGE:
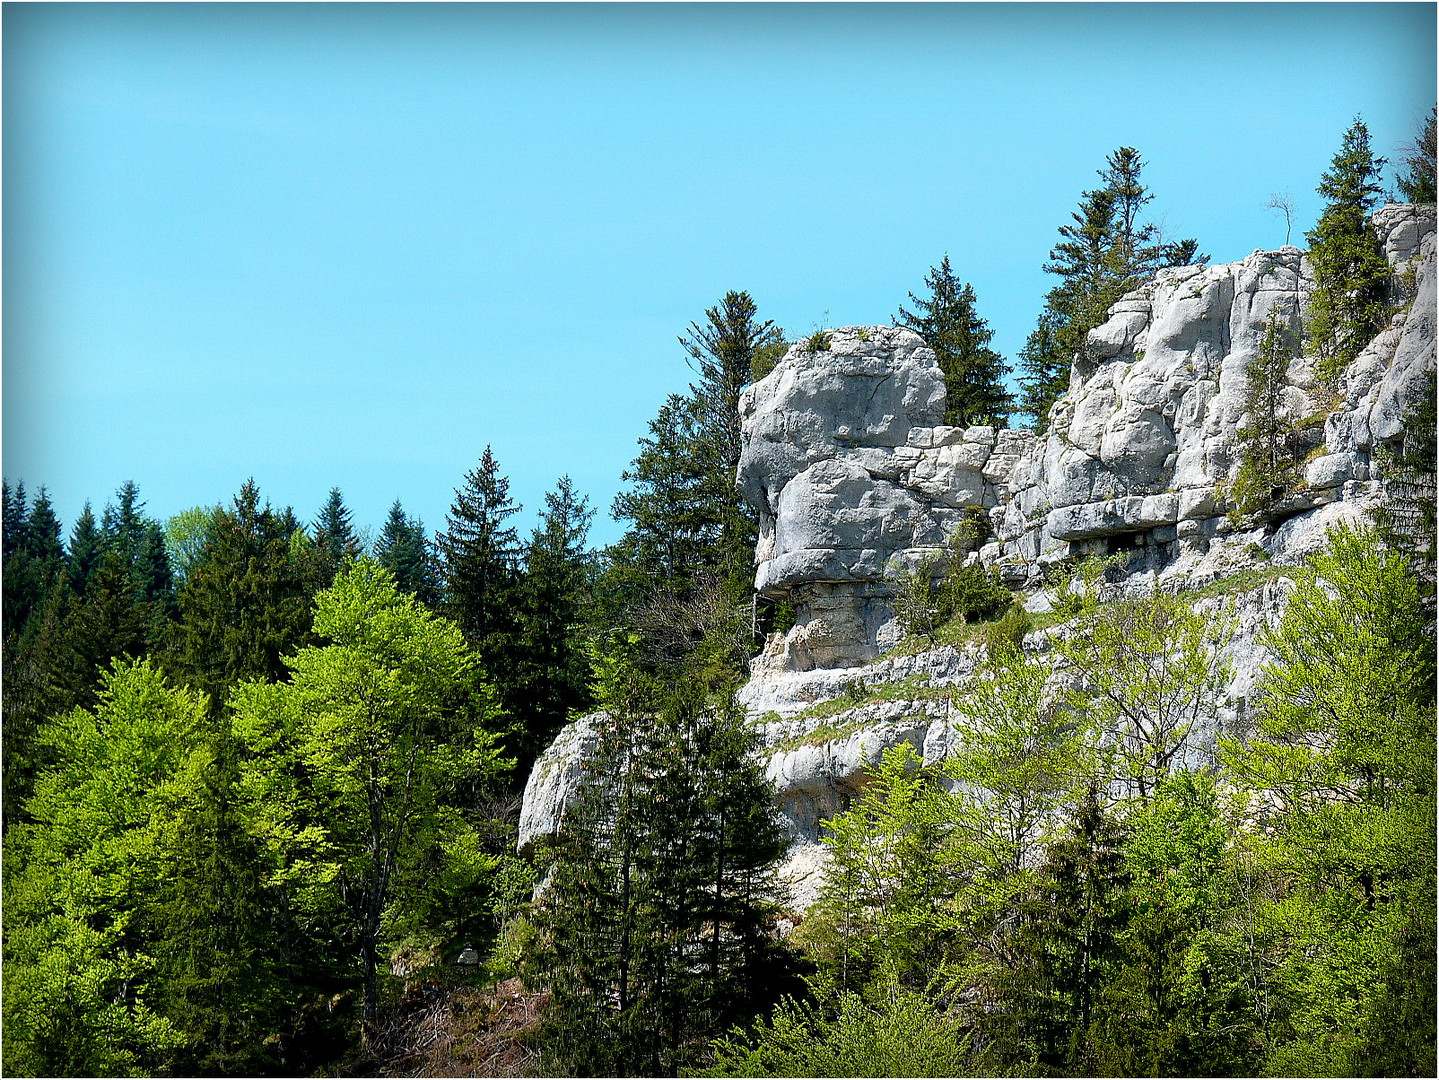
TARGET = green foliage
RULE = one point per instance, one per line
(1342, 770)
(905, 1034)
(1417, 186)
(246, 600)
(1351, 276)
(186, 535)
(403, 550)
(1267, 443)
(1104, 254)
(944, 586)
(360, 771)
(973, 372)
(79, 955)
(651, 924)
(1148, 675)
(552, 669)
(335, 536)
(481, 564)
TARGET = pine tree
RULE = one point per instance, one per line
(246, 601)
(686, 517)
(85, 549)
(1351, 275)
(334, 535)
(1417, 186)
(553, 669)
(480, 564)
(1104, 254)
(973, 372)
(1266, 443)
(652, 920)
(403, 550)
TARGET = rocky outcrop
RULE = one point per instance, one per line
(853, 472)
(847, 461)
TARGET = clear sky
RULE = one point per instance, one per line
(350, 245)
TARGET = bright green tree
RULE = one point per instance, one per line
(973, 372)
(79, 955)
(1341, 774)
(1351, 275)
(358, 769)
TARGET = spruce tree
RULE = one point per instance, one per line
(553, 671)
(246, 601)
(480, 568)
(1417, 186)
(334, 535)
(403, 550)
(1104, 254)
(652, 918)
(973, 372)
(85, 549)
(1351, 275)
(1266, 443)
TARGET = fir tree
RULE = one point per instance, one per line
(973, 372)
(553, 670)
(85, 549)
(403, 550)
(334, 535)
(1351, 275)
(1417, 186)
(1105, 253)
(1267, 441)
(480, 563)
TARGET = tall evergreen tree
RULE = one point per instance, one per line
(1105, 253)
(687, 521)
(481, 571)
(1351, 275)
(334, 535)
(403, 550)
(246, 601)
(973, 372)
(553, 671)
(652, 921)
(85, 549)
(1417, 185)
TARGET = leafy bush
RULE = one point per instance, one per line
(905, 1035)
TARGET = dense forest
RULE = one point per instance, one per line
(262, 776)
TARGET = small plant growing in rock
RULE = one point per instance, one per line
(817, 342)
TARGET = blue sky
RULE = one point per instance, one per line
(349, 246)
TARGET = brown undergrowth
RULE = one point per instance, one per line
(447, 1029)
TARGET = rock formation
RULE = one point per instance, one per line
(852, 470)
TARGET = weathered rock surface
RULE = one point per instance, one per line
(847, 460)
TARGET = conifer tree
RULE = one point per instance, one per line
(85, 549)
(403, 550)
(973, 372)
(334, 535)
(652, 921)
(687, 520)
(1105, 253)
(1351, 275)
(553, 671)
(246, 601)
(1417, 186)
(480, 564)
(1266, 442)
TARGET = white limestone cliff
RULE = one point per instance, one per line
(847, 460)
